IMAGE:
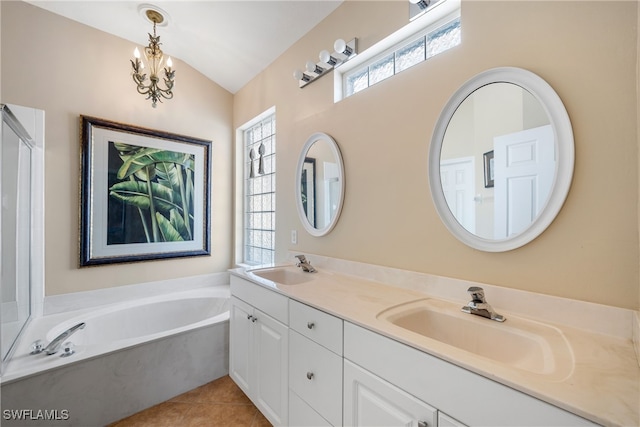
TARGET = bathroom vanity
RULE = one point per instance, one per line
(329, 353)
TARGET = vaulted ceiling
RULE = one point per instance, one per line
(230, 42)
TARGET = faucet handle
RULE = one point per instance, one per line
(477, 294)
(301, 258)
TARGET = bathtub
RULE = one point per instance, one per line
(130, 356)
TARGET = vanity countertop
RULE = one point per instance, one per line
(604, 386)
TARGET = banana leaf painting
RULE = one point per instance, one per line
(144, 194)
(150, 195)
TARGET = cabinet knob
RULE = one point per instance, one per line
(310, 325)
(309, 375)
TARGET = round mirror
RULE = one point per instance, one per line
(319, 184)
(501, 159)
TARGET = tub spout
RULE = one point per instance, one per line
(56, 343)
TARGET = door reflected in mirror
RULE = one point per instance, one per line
(319, 184)
(497, 161)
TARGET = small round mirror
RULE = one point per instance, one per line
(501, 159)
(319, 184)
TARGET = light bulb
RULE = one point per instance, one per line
(136, 53)
(299, 75)
(313, 68)
(339, 46)
(169, 63)
(326, 58)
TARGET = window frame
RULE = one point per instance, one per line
(241, 180)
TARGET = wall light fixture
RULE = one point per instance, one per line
(343, 52)
(418, 8)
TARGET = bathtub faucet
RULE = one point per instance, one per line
(304, 264)
(56, 343)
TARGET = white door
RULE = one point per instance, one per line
(524, 165)
(458, 184)
(271, 351)
(370, 401)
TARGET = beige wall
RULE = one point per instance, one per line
(586, 50)
(68, 69)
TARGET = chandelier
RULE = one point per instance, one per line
(155, 61)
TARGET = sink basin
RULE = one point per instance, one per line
(518, 343)
(284, 275)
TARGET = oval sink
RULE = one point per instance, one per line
(284, 275)
(519, 343)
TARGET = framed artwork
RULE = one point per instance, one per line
(144, 194)
(488, 169)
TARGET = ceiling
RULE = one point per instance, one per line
(230, 42)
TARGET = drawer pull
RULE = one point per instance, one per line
(423, 424)
(309, 375)
(311, 325)
(254, 319)
(249, 317)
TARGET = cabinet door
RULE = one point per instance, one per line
(371, 401)
(240, 339)
(271, 345)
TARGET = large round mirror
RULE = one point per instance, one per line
(501, 159)
(319, 184)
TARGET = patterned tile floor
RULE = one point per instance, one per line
(218, 403)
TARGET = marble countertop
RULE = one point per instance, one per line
(603, 387)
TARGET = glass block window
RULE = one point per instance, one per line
(260, 192)
(403, 55)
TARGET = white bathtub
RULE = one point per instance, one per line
(146, 350)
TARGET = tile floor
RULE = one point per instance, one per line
(218, 403)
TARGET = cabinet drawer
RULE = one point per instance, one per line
(315, 374)
(316, 325)
(265, 300)
(303, 415)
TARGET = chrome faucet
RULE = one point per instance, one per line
(479, 305)
(304, 264)
(56, 343)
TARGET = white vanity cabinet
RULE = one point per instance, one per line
(315, 367)
(259, 347)
(406, 377)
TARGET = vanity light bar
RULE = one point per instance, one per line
(328, 61)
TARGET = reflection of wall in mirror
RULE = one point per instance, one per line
(493, 110)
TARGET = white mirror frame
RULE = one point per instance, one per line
(564, 149)
(319, 136)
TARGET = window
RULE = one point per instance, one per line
(436, 31)
(259, 196)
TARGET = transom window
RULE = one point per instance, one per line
(433, 33)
